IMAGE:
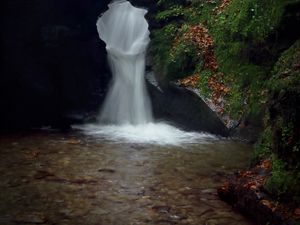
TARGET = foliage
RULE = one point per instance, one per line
(217, 41)
(263, 147)
(233, 29)
(161, 46)
(282, 182)
(284, 85)
(203, 83)
(282, 134)
(235, 102)
(181, 60)
(250, 19)
(286, 73)
(173, 12)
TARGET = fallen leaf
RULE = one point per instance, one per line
(267, 203)
(74, 141)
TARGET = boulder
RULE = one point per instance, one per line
(185, 109)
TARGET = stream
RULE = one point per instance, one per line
(73, 178)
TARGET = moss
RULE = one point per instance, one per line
(181, 61)
(235, 102)
(283, 182)
(238, 30)
(283, 122)
(284, 88)
(203, 83)
(172, 62)
(251, 19)
(172, 13)
(263, 148)
(161, 46)
(286, 73)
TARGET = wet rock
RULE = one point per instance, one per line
(245, 192)
(185, 108)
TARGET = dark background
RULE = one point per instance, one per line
(53, 64)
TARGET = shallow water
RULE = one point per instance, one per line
(75, 178)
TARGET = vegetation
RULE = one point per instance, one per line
(227, 45)
(283, 117)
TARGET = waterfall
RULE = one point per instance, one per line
(126, 115)
(124, 29)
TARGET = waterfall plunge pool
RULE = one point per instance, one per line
(75, 178)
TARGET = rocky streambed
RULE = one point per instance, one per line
(70, 178)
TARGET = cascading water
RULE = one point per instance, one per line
(126, 115)
(125, 31)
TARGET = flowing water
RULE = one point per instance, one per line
(69, 179)
(125, 31)
(126, 114)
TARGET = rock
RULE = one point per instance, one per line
(245, 192)
(185, 109)
(54, 62)
(106, 170)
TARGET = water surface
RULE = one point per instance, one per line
(74, 178)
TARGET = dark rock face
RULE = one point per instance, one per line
(52, 61)
(248, 128)
(185, 109)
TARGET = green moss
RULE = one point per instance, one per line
(285, 86)
(251, 20)
(201, 12)
(286, 73)
(235, 102)
(203, 83)
(263, 148)
(237, 31)
(284, 93)
(172, 13)
(173, 62)
(283, 182)
(161, 45)
(182, 61)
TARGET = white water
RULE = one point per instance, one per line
(127, 115)
(150, 133)
(124, 29)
